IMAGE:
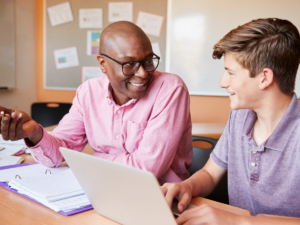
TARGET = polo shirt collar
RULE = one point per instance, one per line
(282, 132)
(110, 98)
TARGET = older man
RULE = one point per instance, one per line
(134, 116)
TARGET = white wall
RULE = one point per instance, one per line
(24, 93)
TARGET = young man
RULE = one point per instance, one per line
(260, 146)
(134, 116)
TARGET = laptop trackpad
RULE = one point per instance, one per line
(175, 208)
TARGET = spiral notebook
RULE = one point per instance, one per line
(37, 199)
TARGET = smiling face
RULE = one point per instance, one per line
(126, 47)
(244, 90)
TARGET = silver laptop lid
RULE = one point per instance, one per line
(121, 193)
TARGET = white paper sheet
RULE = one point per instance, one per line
(150, 23)
(89, 72)
(60, 14)
(9, 150)
(19, 142)
(28, 172)
(50, 185)
(156, 50)
(120, 11)
(91, 18)
(93, 39)
(65, 58)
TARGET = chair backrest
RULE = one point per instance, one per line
(48, 114)
(200, 157)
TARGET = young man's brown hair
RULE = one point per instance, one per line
(265, 43)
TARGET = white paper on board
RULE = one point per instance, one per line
(150, 23)
(89, 72)
(60, 14)
(156, 50)
(91, 18)
(65, 58)
(93, 39)
(120, 11)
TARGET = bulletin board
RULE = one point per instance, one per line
(70, 35)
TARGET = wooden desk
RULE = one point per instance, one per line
(212, 130)
(16, 209)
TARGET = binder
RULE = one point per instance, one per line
(4, 184)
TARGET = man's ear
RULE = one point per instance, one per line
(267, 78)
(101, 63)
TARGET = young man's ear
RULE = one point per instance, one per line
(266, 79)
(101, 63)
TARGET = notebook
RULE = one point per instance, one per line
(62, 202)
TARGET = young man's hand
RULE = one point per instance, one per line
(181, 191)
(205, 214)
(16, 125)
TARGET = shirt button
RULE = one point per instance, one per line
(253, 164)
(124, 151)
(254, 152)
(117, 136)
(37, 151)
(47, 160)
(119, 112)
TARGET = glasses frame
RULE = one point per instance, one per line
(140, 62)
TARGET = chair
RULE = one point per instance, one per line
(48, 114)
(200, 157)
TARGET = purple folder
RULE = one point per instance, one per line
(3, 184)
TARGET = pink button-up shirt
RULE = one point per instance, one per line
(152, 133)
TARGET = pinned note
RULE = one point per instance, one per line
(65, 58)
(156, 49)
(93, 39)
(91, 18)
(120, 11)
(89, 72)
(60, 14)
(150, 23)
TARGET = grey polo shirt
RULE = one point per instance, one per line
(265, 178)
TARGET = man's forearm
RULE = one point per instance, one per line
(201, 183)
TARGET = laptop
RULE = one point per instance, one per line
(121, 193)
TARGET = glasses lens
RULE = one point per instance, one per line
(150, 64)
(130, 68)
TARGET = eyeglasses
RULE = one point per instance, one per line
(130, 68)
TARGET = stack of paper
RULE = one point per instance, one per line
(59, 191)
(6, 154)
(10, 160)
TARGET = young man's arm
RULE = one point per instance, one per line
(201, 183)
(209, 215)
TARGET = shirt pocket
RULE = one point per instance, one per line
(134, 135)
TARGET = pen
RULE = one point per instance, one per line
(2, 114)
(1, 148)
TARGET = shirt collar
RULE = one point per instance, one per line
(110, 98)
(281, 133)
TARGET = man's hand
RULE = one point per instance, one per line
(16, 125)
(205, 214)
(181, 191)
